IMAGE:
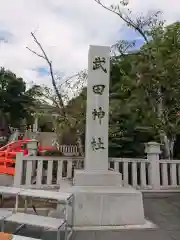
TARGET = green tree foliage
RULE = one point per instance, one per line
(149, 89)
(144, 98)
(126, 131)
(154, 64)
(15, 101)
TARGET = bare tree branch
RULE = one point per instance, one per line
(122, 46)
(125, 18)
(68, 79)
(81, 74)
(50, 98)
(59, 98)
(39, 55)
(45, 57)
(41, 48)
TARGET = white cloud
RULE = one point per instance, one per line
(65, 28)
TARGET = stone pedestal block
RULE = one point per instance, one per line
(97, 178)
(107, 206)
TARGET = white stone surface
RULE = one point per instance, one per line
(148, 225)
(97, 178)
(6, 180)
(45, 194)
(35, 220)
(98, 159)
(32, 145)
(152, 148)
(16, 237)
(99, 199)
(153, 151)
(35, 125)
(107, 206)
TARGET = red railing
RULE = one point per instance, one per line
(8, 155)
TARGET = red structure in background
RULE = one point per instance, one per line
(8, 154)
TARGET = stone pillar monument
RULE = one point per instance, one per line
(97, 116)
(100, 200)
(96, 151)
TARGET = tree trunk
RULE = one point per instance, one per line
(171, 146)
(168, 146)
(80, 146)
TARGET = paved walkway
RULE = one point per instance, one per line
(162, 210)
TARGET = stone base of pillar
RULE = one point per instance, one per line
(97, 178)
(99, 200)
(107, 206)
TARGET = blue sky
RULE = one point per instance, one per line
(130, 34)
(65, 29)
(43, 71)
